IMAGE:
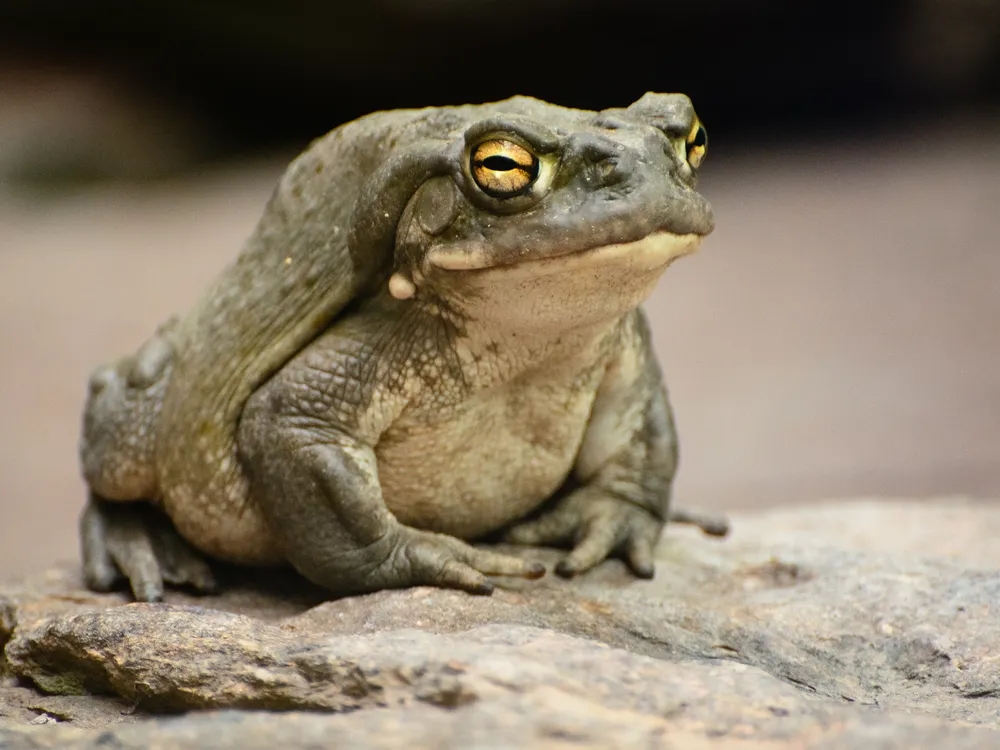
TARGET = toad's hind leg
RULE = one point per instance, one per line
(120, 419)
(121, 536)
(135, 542)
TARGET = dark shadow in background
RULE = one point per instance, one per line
(258, 74)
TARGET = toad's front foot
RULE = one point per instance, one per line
(135, 542)
(598, 525)
(422, 558)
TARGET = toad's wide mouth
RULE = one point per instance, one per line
(652, 251)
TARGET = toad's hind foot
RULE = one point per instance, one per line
(136, 542)
(597, 525)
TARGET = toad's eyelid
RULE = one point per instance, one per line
(506, 149)
(529, 135)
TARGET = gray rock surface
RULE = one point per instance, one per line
(857, 624)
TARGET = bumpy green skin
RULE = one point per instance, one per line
(397, 361)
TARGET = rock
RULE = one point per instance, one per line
(798, 630)
(22, 705)
(542, 720)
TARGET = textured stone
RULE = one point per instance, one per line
(796, 632)
(543, 719)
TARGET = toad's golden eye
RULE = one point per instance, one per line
(697, 144)
(503, 169)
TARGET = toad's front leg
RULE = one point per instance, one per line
(623, 473)
(306, 444)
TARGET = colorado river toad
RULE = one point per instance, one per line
(433, 334)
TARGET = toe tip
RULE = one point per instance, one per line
(565, 569)
(535, 570)
(718, 528)
(483, 589)
(646, 572)
(148, 593)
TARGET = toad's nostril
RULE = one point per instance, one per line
(607, 160)
(596, 152)
(608, 169)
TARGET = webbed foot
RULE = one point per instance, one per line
(598, 525)
(135, 542)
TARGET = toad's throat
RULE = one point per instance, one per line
(654, 250)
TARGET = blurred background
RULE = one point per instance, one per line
(837, 336)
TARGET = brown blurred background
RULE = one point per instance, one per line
(836, 336)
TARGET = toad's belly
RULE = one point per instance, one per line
(484, 464)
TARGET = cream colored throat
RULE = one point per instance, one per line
(653, 250)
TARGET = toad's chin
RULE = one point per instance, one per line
(656, 250)
(557, 292)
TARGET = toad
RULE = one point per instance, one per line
(434, 334)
